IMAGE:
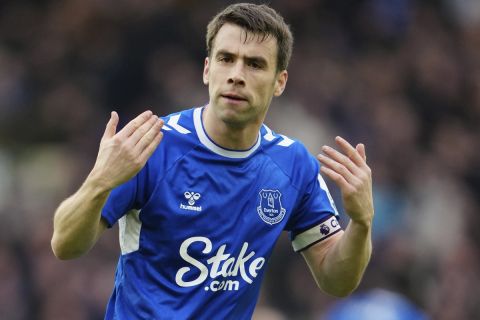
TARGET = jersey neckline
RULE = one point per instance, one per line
(212, 146)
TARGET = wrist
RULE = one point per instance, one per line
(97, 185)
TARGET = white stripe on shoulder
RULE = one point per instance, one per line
(269, 136)
(173, 122)
(286, 142)
(316, 234)
(129, 231)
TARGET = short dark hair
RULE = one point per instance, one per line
(257, 19)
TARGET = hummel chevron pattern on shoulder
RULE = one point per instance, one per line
(269, 136)
(172, 123)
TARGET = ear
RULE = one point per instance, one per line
(205, 71)
(280, 83)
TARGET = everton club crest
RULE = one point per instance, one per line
(270, 208)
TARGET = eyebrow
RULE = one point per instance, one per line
(257, 59)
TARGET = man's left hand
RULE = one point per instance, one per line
(349, 170)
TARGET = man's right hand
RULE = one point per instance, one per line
(122, 155)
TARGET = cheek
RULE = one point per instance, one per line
(214, 76)
(267, 90)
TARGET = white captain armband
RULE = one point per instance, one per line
(316, 234)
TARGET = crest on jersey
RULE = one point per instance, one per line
(270, 207)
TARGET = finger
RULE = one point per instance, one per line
(111, 127)
(148, 151)
(138, 134)
(149, 136)
(135, 124)
(349, 151)
(338, 168)
(337, 178)
(361, 150)
(341, 159)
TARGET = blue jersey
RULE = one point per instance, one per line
(198, 223)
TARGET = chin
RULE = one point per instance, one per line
(233, 115)
(233, 119)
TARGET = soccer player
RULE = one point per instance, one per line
(201, 196)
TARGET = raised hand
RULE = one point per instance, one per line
(122, 155)
(349, 170)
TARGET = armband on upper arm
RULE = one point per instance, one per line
(316, 234)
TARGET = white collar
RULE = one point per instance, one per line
(209, 144)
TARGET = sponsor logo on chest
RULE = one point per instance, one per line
(225, 269)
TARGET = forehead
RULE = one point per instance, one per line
(237, 40)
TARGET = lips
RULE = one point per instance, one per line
(233, 96)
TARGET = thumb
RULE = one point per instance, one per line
(361, 149)
(111, 127)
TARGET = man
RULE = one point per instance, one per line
(200, 212)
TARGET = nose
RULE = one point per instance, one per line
(237, 76)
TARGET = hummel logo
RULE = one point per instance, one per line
(192, 197)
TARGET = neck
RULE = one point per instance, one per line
(229, 136)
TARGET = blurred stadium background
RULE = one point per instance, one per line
(403, 76)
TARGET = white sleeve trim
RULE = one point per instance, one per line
(129, 231)
(324, 187)
(316, 234)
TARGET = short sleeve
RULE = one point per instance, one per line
(120, 201)
(315, 217)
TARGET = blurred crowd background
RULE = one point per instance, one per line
(402, 76)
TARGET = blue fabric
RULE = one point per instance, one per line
(377, 304)
(203, 243)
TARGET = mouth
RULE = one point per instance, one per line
(233, 97)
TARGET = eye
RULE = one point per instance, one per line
(225, 59)
(254, 65)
